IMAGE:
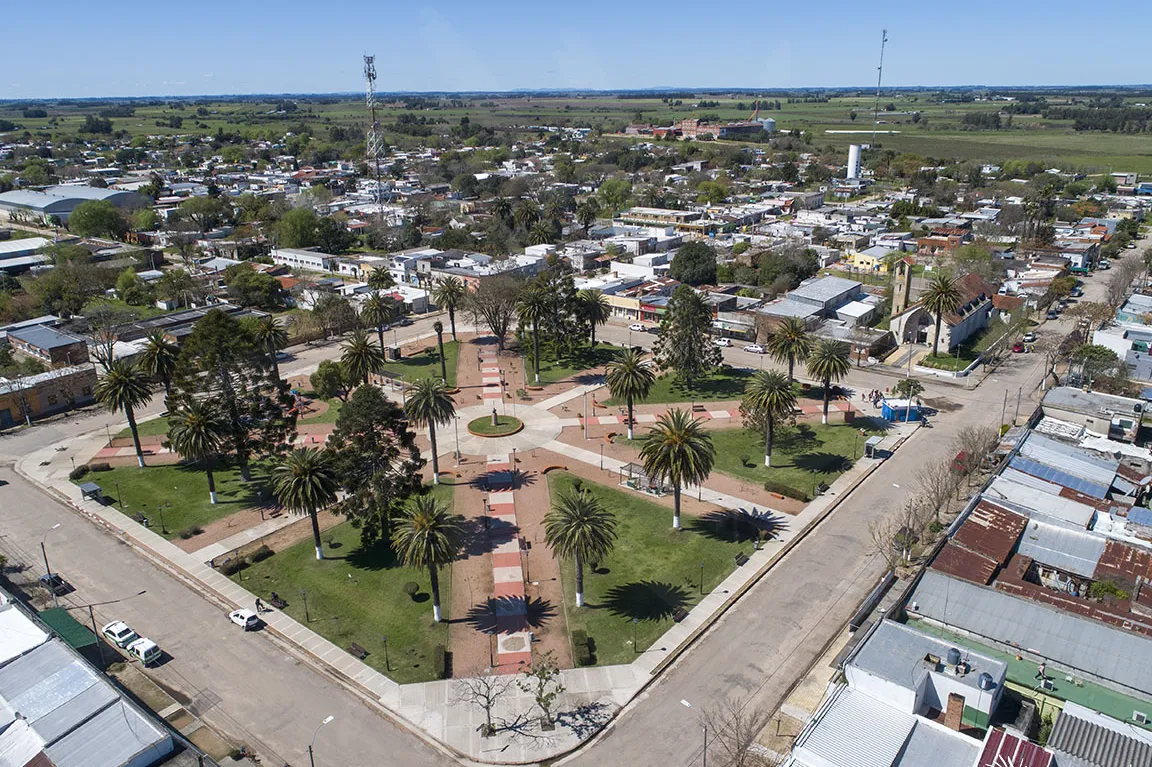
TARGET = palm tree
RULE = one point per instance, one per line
(268, 336)
(554, 209)
(430, 404)
(380, 279)
(592, 307)
(438, 326)
(533, 307)
(541, 233)
(159, 359)
(305, 481)
(197, 432)
(770, 395)
(378, 310)
(678, 449)
(630, 378)
(124, 386)
(449, 293)
(526, 214)
(941, 297)
(579, 528)
(360, 358)
(789, 343)
(829, 361)
(428, 535)
(502, 209)
(587, 213)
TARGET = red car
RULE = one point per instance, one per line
(1017, 347)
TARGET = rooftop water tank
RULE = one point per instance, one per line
(985, 681)
(953, 656)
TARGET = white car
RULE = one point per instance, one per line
(1029, 338)
(754, 348)
(636, 327)
(145, 650)
(118, 633)
(722, 342)
(245, 619)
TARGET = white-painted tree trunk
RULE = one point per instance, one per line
(579, 598)
(436, 613)
(319, 553)
(212, 497)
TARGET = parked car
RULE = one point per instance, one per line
(1029, 338)
(118, 633)
(1077, 292)
(754, 348)
(245, 619)
(55, 583)
(636, 327)
(721, 341)
(146, 651)
(1017, 347)
(1051, 314)
(403, 322)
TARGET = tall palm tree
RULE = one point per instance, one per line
(526, 214)
(428, 535)
(592, 307)
(159, 359)
(770, 395)
(380, 279)
(677, 449)
(268, 336)
(587, 212)
(124, 386)
(579, 528)
(197, 432)
(438, 326)
(430, 404)
(502, 209)
(305, 481)
(630, 378)
(541, 233)
(378, 310)
(941, 297)
(449, 293)
(790, 342)
(360, 358)
(532, 308)
(829, 361)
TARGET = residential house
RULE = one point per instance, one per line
(48, 345)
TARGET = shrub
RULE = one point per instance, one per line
(79, 472)
(746, 460)
(440, 662)
(1103, 589)
(189, 532)
(411, 588)
(581, 648)
(261, 553)
(935, 527)
(100, 466)
(786, 490)
(233, 566)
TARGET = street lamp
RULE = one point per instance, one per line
(327, 719)
(456, 424)
(163, 527)
(47, 568)
(119, 500)
(701, 577)
(635, 641)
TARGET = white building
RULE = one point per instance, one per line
(308, 260)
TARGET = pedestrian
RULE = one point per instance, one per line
(1040, 672)
(259, 606)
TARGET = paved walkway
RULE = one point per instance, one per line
(267, 527)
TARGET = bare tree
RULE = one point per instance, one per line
(893, 537)
(482, 689)
(976, 443)
(936, 482)
(1121, 281)
(733, 725)
(493, 304)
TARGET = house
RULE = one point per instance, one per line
(23, 400)
(308, 260)
(1108, 414)
(918, 325)
(873, 259)
(48, 345)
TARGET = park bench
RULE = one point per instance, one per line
(699, 409)
(140, 518)
(278, 603)
(741, 559)
(680, 614)
(357, 651)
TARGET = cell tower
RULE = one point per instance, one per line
(372, 139)
(879, 79)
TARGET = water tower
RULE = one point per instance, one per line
(854, 161)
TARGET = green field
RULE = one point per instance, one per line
(426, 364)
(157, 427)
(727, 383)
(505, 424)
(356, 594)
(650, 574)
(553, 370)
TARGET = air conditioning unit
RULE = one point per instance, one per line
(1046, 684)
(1139, 717)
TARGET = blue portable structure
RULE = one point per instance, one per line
(900, 410)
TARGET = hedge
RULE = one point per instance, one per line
(786, 490)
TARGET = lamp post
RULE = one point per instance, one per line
(456, 425)
(601, 456)
(47, 568)
(327, 719)
(163, 527)
(119, 500)
(635, 640)
(701, 577)
(585, 414)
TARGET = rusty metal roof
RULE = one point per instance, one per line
(963, 563)
(991, 531)
(1123, 562)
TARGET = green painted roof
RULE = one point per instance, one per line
(68, 628)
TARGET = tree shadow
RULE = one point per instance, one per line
(871, 423)
(495, 481)
(478, 537)
(738, 526)
(822, 462)
(585, 719)
(796, 439)
(372, 557)
(645, 600)
(495, 613)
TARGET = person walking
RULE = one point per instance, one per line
(1041, 670)
(259, 606)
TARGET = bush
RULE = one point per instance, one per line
(935, 527)
(79, 472)
(440, 662)
(233, 566)
(411, 588)
(581, 648)
(261, 553)
(101, 466)
(786, 490)
(189, 532)
(746, 460)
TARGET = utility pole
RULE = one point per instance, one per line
(879, 79)
(372, 141)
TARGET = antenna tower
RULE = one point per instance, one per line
(879, 79)
(372, 139)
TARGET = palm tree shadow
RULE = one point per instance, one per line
(509, 613)
(796, 439)
(512, 479)
(739, 526)
(372, 557)
(823, 462)
(645, 600)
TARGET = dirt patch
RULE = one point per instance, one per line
(222, 528)
(292, 534)
(312, 409)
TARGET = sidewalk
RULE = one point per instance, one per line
(593, 695)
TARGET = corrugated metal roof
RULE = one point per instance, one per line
(1073, 460)
(1072, 641)
(1138, 515)
(1052, 474)
(1123, 562)
(1097, 740)
(991, 530)
(1068, 550)
(1035, 483)
(930, 746)
(893, 649)
(115, 735)
(1003, 748)
(18, 634)
(966, 564)
(857, 730)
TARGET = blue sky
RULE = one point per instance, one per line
(134, 48)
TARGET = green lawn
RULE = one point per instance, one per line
(157, 427)
(725, 384)
(505, 424)
(426, 364)
(802, 456)
(182, 490)
(356, 594)
(130, 310)
(584, 358)
(651, 573)
(329, 415)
